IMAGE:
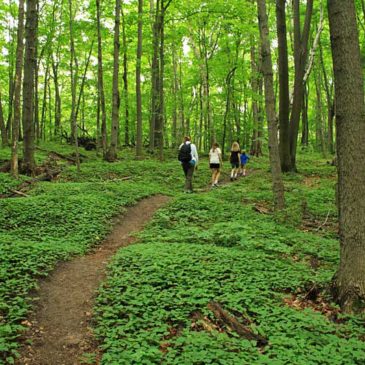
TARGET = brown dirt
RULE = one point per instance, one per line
(60, 328)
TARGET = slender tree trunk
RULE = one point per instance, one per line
(125, 83)
(161, 110)
(300, 57)
(28, 85)
(350, 127)
(155, 74)
(4, 134)
(305, 125)
(255, 72)
(138, 81)
(330, 104)
(112, 151)
(101, 93)
(74, 76)
(17, 90)
(320, 143)
(284, 145)
(44, 102)
(57, 124)
(278, 186)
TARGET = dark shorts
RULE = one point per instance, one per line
(235, 165)
(214, 165)
(243, 165)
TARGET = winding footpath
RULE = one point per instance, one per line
(60, 328)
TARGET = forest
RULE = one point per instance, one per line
(105, 258)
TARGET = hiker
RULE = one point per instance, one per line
(235, 160)
(215, 163)
(188, 156)
(244, 159)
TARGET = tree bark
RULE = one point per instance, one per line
(101, 93)
(4, 134)
(17, 90)
(125, 83)
(300, 57)
(111, 154)
(350, 126)
(277, 182)
(138, 81)
(284, 145)
(28, 85)
(74, 76)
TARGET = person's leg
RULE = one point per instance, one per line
(189, 179)
(244, 170)
(217, 176)
(185, 167)
(236, 172)
(213, 176)
(232, 172)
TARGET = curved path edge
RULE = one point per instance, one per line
(60, 327)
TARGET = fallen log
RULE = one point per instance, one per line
(233, 324)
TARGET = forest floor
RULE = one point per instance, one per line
(216, 277)
(61, 329)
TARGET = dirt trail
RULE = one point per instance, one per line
(60, 327)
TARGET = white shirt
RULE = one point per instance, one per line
(194, 151)
(214, 155)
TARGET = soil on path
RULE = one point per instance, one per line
(60, 329)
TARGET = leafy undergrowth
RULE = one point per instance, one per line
(64, 218)
(155, 306)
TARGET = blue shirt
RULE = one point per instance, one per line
(244, 158)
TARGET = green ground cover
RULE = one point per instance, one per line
(217, 247)
(202, 247)
(64, 218)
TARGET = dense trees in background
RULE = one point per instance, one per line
(200, 74)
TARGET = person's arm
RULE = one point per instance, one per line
(194, 153)
(220, 157)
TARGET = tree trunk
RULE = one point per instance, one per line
(17, 90)
(320, 143)
(125, 83)
(138, 81)
(330, 105)
(101, 93)
(350, 126)
(255, 149)
(155, 74)
(112, 151)
(4, 134)
(57, 123)
(28, 85)
(74, 76)
(44, 102)
(278, 186)
(284, 145)
(300, 57)
(305, 125)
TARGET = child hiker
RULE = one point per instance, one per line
(235, 160)
(244, 160)
(215, 163)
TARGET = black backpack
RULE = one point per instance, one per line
(185, 153)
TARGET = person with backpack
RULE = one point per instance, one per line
(188, 156)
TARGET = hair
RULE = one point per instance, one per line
(235, 147)
(215, 145)
(243, 152)
(187, 138)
